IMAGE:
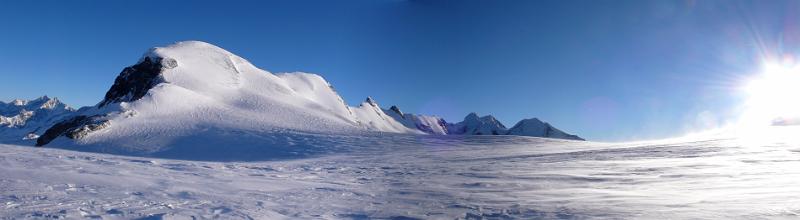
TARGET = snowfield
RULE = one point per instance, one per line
(417, 177)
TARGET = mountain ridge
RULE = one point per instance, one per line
(174, 91)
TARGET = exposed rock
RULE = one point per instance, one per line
(371, 102)
(396, 110)
(134, 81)
(74, 128)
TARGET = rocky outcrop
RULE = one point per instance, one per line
(74, 128)
(134, 81)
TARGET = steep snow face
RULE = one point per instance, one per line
(22, 119)
(371, 116)
(424, 123)
(535, 128)
(176, 94)
(321, 94)
(474, 125)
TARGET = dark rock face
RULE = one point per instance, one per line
(371, 102)
(134, 81)
(132, 84)
(395, 109)
(74, 128)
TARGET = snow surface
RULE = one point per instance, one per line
(418, 177)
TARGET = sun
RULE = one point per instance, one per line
(773, 97)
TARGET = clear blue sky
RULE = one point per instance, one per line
(605, 70)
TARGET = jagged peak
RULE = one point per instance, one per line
(19, 102)
(471, 116)
(488, 118)
(43, 102)
(49, 103)
(395, 109)
(371, 101)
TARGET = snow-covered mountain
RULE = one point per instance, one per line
(193, 94)
(424, 123)
(536, 128)
(22, 121)
(475, 125)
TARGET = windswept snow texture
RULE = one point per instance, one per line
(21, 121)
(417, 177)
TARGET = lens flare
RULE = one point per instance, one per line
(773, 96)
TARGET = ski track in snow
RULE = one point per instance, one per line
(416, 177)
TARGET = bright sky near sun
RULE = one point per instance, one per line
(605, 70)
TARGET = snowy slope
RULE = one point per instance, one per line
(21, 121)
(425, 123)
(535, 128)
(190, 91)
(419, 177)
(372, 116)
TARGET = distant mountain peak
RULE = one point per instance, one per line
(371, 101)
(20, 118)
(19, 102)
(397, 110)
(538, 128)
(472, 116)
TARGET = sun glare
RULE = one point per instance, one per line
(773, 96)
